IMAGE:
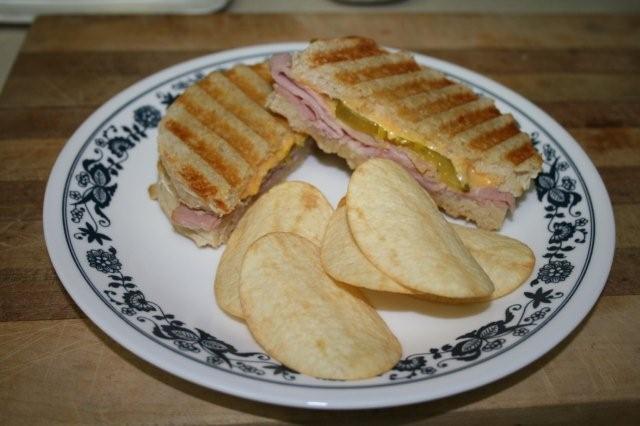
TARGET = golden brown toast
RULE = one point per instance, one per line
(217, 142)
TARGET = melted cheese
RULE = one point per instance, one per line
(478, 179)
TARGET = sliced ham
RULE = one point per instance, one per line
(493, 195)
(308, 102)
(194, 219)
(200, 220)
(313, 108)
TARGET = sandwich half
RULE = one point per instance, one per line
(219, 148)
(360, 101)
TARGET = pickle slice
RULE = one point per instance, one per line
(444, 167)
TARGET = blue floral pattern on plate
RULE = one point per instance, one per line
(95, 185)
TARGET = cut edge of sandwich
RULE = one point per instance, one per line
(485, 215)
(493, 159)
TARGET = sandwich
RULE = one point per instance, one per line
(219, 148)
(361, 101)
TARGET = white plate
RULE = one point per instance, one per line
(151, 289)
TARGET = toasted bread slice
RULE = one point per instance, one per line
(422, 105)
(217, 141)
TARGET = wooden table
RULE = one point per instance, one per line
(56, 366)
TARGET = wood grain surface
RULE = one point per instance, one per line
(55, 366)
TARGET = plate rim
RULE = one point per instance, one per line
(577, 156)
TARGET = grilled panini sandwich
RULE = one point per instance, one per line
(219, 148)
(361, 101)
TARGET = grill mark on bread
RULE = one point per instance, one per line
(487, 140)
(200, 147)
(363, 48)
(201, 186)
(262, 69)
(379, 71)
(469, 120)
(220, 126)
(422, 111)
(200, 179)
(520, 154)
(246, 112)
(248, 87)
(411, 88)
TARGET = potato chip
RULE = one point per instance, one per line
(507, 261)
(399, 228)
(291, 207)
(344, 262)
(307, 321)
